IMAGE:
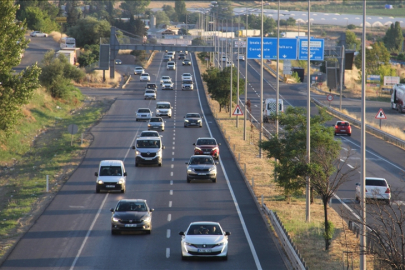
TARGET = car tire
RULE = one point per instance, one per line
(114, 232)
(201, 126)
(349, 134)
(97, 190)
(160, 164)
(136, 164)
(188, 180)
(225, 258)
(145, 98)
(136, 120)
(185, 126)
(148, 231)
(123, 190)
(214, 180)
(184, 258)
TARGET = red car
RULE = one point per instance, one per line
(207, 146)
(343, 127)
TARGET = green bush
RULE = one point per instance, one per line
(351, 26)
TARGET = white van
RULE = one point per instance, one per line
(171, 65)
(111, 176)
(148, 150)
(163, 108)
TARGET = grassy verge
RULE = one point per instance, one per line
(308, 237)
(24, 162)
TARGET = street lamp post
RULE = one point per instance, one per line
(261, 87)
(308, 186)
(237, 82)
(231, 62)
(246, 81)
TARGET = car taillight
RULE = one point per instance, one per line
(336, 126)
(366, 190)
(388, 190)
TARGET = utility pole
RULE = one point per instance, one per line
(342, 72)
(261, 88)
(308, 188)
(246, 81)
(278, 69)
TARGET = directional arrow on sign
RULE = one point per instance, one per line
(284, 56)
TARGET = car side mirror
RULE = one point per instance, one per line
(193, 143)
(125, 173)
(151, 210)
(228, 233)
(357, 184)
(112, 210)
(163, 147)
(133, 147)
(181, 233)
(96, 174)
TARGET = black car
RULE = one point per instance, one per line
(193, 120)
(131, 215)
(187, 62)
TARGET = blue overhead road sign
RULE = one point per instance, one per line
(317, 49)
(288, 48)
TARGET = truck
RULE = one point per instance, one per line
(67, 43)
(292, 34)
(249, 33)
(398, 98)
(69, 54)
(269, 108)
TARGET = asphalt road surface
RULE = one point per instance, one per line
(74, 231)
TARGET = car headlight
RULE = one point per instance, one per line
(190, 170)
(185, 120)
(215, 149)
(121, 181)
(159, 153)
(188, 244)
(212, 169)
(220, 244)
(146, 219)
(115, 219)
(100, 182)
(137, 153)
(199, 120)
(148, 125)
(197, 148)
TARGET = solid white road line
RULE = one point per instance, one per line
(172, 164)
(242, 221)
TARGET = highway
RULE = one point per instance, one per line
(74, 230)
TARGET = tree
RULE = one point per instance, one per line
(162, 18)
(74, 13)
(351, 26)
(15, 89)
(254, 22)
(39, 20)
(170, 12)
(351, 40)
(376, 56)
(222, 10)
(326, 169)
(131, 7)
(89, 30)
(180, 9)
(393, 38)
(89, 56)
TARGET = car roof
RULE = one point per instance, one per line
(375, 178)
(144, 74)
(205, 138)
(132, 200)
(111, 163)
(192, 113)
(201, 156)
(163, 102)
(148, 138)
(204, 222)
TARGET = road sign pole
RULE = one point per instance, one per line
(380, 123)
(278, 69)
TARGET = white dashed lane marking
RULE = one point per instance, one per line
(171, 192)
(350, 166)
(172, 153)
(167, 252)
(168, 233)
(171, 173)
(169, 217)
(170, 203)
(171, 182)
(172, 164)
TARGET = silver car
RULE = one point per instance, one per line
(193, 120)
(156, 123)
(201, 167)
(143, 114)
(204, 239)
(150, 94)
(167, 85)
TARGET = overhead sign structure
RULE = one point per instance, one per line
(317, 49)
(287, 48)
(381, 115)
(237, 111)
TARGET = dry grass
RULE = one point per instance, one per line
(159, 4)
(57, 36)
(292, 214)
(95, 79)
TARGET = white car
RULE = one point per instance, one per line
(38, 34)
(171, 65)
(204, 239)
(224, 59)
(164, 108)
(150, 94)
(241, 57)
(139, 70)
(167, 85)
(144, 77)
(143, 114)
(156, 123)
(376, 188)
(186, 76)
(165, 78)
(229, 63)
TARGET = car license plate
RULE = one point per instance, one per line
(204, 250)
(192, 123)
(207, 153)
(202, 174)
(130, 225)
(110, 186)
(342, 130)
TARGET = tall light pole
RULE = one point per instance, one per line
(246, 81)
(278, 69)
(261, 88)
(231, 62)
(237, 82)
(363, 146)
(308, 188)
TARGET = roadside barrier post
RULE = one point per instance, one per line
(253, 182)
(47, 183)
(81, 142)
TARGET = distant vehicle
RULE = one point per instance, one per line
(181, 56)
(241, 57)
(38, 34)
(167, 85)
(151, 86)
(118, 62)
(131, 215)
(229, 63)
(148, 150)
(343, 127)
(139, 70)
(67, 43)
(186, 76)
(201, 167)
(143, 114)
(144, 77)
(149, 133)
(165, 78)
(269, 108)
(398, 98)
(204, 239)
(111, 176)
(156, 123)
(187, 62)
(207, 146)
(164, 108)
(171, 65)
(167, 58)
(376, 189)
(150, 94)
(224, 59)
(192, 120)
(292, 34)
(187, 85)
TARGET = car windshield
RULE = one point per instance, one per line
(375, 182)
(343, 124)
(147, 144)
(156, 119)
(150, 86)
(187, 75)
(149, 134)
(192, 115)
(206, 142)
(131, 206)
(110, 171)
(201, 160)
(150, 91)
(168, 82)
(165, 78)
(204, 230)
(145, 74)
(138, 68)
(163, 106)
(143, 111)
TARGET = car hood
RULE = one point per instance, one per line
(111, 178)
(150, 150)
(131, 215)
(206, 146)
(204, 239)
(201, 166)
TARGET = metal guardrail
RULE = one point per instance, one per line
(285, 240)
(385, 136)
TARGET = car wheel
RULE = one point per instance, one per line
(145, 98)
(97, 190)
(214, 180)
(114, 232)
(136, 164)
(160, 164)
(225, 258)
(136, 120)
(335, 133)
(184, 258)
(349, 134)
(123, 190)
(201, 126)
(188, 180)
(185, 126)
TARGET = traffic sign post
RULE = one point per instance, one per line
(237, 111)
(329, 98)
(287, 49)
(317, 49)
(72, 129)
(380, 115)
